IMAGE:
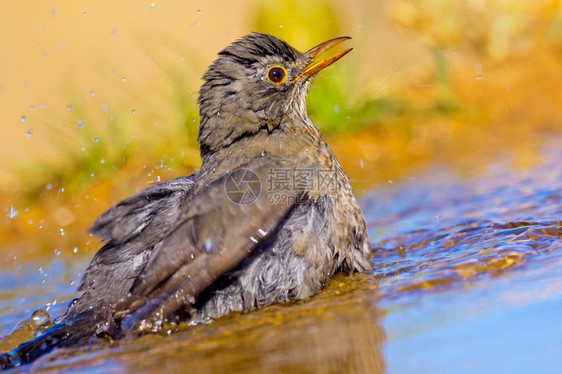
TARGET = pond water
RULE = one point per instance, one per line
(471, 270)
(468, 278)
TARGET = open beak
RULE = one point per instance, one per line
(315, 53)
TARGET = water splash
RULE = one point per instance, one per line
(12, 213)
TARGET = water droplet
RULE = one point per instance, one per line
(111, 116)
(92, 175)
(75, 249)
(40, 319)
(134, 111)
(29, 132)
(479, 77)
(105, 107)
(102, 161)
(80, 124)
(62, 231)
(95, 140)
(281, 26)
(53, 12)
(23, 118)
(124, 79)
(158, 179)
(40, 227)
(153, 5)
(49, 305)
(12, 213)
(361, 163)
(199, 11)
(49, 186)
(389, 181)
(208, 245)
(69, 108)
(337, 109)
(63, 127)
(92, 93)
(85, 13)
(32, 107)
(57, 252)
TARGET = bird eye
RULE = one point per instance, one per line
(277, 75)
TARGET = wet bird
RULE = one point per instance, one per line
(269, 218)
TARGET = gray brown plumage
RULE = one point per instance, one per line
(186, 247)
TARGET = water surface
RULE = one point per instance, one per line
(467, 279)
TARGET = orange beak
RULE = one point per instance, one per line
(316, 64)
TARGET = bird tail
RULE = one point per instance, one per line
(63, 334)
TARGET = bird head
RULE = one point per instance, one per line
(256, 84)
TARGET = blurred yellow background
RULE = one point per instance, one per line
(94, 53)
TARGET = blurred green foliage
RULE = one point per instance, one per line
(298, 22)
(94, 147)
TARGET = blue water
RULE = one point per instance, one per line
(471, 270)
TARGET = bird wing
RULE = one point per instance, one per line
(130, 230)
(216, 233)
(131, 216)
